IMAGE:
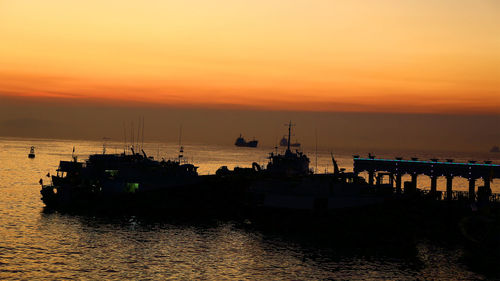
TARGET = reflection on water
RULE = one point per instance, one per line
(35, 244)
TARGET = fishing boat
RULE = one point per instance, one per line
(134, 183)
(241, 142)
(32, 152)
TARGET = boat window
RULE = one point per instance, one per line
(111, 172)
(132, 187)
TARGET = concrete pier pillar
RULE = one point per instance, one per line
(472, 189)
(371, 177)
(398, 183)
(449, 187)
(487, 184)
(484, 192)
(434, 185)
(487, 187)
(414, 182)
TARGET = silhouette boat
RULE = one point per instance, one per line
(240, 141)
(32, 152)
(133, 183)
(495, 149)
(284, 142)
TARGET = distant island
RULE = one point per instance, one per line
(495, 149)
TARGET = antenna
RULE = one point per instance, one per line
(181, 149)
(132, 135)
(142, 132)
(138, 131)
(316, 135)
(124, 138)
(289, 133)
(180, 135)
(104, 139)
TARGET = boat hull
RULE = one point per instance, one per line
(203, 193)
(315, 193)
(248, 144)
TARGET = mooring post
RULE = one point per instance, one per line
(414, 182)
(484, 192)
(487, 187)
(487, 184)
(398, 183)
(433, 186)
(371, 177)
(449, 187)
(472, 190)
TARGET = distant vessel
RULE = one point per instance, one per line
(240, 141)
(495, 149)
(284, 142)
(32, 152)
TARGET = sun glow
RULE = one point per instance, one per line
(380, 56)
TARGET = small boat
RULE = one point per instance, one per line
(240, 141)
(495, 149)
(32, 152)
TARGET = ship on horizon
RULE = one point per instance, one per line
(241, 142)
(284, 142)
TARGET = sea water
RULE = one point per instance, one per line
(35, 244)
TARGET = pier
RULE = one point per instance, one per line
(377, 169)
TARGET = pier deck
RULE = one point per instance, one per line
(396, 168)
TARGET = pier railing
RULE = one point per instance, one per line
(395, 169)
(458, 195)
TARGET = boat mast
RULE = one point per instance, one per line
(181, 149)
(316, 160)
(138, 134)
(289, 135)
(142, 144)
(132, 136)
(124, 138)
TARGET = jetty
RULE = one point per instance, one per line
(379, 169)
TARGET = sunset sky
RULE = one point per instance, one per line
(439, 56)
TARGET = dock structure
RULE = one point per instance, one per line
(396, 168)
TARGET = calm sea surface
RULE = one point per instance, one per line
(38, 245)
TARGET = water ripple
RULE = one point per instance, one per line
(37, 245)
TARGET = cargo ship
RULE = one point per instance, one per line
(241, 142)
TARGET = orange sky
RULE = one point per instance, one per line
(439, 56)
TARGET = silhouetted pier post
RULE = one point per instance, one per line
(371, 177)
(434, 186)
(398, 183)
(472, 189)
(414, 182)
(471, 170)
(487, 184)
(449, 187)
